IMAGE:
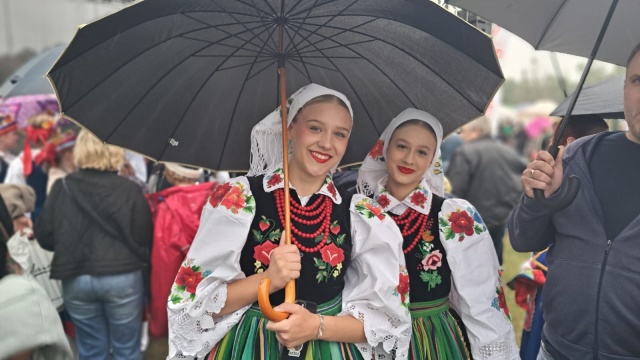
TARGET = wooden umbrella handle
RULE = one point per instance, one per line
(290, 287)
(265, 304)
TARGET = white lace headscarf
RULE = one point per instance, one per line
(374, 167)
(266, 136)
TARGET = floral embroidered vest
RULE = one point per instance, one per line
(429, 272)
(322, 275)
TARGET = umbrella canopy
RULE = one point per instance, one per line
(577, 27)
(604, 99)
(24, 106)
(30, 78)
(537, 126)
(185, 81)
(566, 26)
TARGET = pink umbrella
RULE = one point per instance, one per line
(24, 106)
(537, 126)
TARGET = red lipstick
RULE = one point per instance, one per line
(320, 157)
(405, 170)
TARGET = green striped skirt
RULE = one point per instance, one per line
(436, 334)
(250, 340)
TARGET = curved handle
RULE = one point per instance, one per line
(565, 200)
(265, 304)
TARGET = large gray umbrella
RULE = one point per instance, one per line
(577, 27)
(566, 26)
(604, 99)
(30, 78)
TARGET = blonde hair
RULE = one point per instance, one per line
(481, 124)
(43, 119)
(92, 153)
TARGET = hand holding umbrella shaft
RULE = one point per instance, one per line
(284, 265)
(544, 173)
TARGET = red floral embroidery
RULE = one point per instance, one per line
(332, 254)
(233, 200)
(383, 200)
(376, 150)
(189, 279)
(377, 211)
(263, 225)
(432, 261)
(218, 194)
(335, 229)
(461, 222)
(418, 198)
(274, 180)
(403, 286)
(332, 190)
(262, 252)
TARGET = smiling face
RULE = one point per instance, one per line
(632, 98)
(319, 136)
(409, 155)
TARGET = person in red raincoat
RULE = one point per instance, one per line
(176, 217)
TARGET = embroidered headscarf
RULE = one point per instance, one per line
(374, 167)
(266, 136)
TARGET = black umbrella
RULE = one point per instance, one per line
(604, 99)
(185, 81)
(576, 27)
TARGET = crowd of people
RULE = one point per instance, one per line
(393, 261)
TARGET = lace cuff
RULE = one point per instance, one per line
(193, 330)
(499, 350)
(387, 336)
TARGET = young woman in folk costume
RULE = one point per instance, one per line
(448, 251)
(346, 253)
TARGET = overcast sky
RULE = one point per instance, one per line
(39, 24)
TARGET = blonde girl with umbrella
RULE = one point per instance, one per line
(345, 254)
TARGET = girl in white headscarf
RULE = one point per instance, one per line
(448, 250)
(346, 253)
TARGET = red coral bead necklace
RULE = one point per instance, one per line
(318, 212)
(409, 221)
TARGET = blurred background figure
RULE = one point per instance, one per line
(529, 283)
(23, 169)
(31, 328)
(135, 169)
(99, 226)
(176, 216)
(56, 157)
(449, 146)
(486, 173)
(8, 142)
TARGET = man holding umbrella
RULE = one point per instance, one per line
(592, 284)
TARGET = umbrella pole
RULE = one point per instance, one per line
(290, 287)
(574, 181)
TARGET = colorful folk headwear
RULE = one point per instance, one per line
(7, 124)
(54, 146)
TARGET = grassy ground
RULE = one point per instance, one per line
(158, 347)
(512, 262)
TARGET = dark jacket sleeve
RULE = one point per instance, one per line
(458, 173)
(530, 226)
(43, 228)
(141, 223)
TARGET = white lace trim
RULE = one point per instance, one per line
(387, 338)
(498, 350)
(192, 329)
